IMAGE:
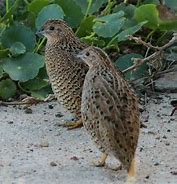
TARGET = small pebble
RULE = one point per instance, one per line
(59, 115)
(167, 143)
(165, 137)
(174, 172)
(50, 106)
(53, 164)
(10, 122)
(74, 158)
(44, 145)
(28, 111)
(156, 164)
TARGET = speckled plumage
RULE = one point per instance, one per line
(65, 71)
(109, 107)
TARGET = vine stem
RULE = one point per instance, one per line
(86, 13)
(40, 45)
(7, 6)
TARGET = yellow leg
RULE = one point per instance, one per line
(132, 173)
(102, 160)
(73, 124)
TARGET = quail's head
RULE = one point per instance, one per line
(93, 56)
(56, 29)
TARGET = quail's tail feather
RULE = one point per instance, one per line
(131, 179)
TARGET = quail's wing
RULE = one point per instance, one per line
(118, 106)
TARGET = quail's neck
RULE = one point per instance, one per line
(68, 45)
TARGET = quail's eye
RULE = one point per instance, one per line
(87, 53)
(51, 28)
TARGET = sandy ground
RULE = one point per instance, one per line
(35, 150)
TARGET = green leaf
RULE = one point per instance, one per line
(86, 27)
(52, 11)
(157, 16)
(96, 5)
(7, 89)
(42, 93)
(122, 36)
(125, 62)
(147, 12)
(12, 10)
(4, 53)
(73, 12)
(23, 67)
(152, 2)
(36, 5)
(127, 9)
(18, 33)
(34, 84)
(1, 72)
(17, 48)
(109, 25)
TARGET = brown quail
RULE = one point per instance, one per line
(109, 109)
(66, 72)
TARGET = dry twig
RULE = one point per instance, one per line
(138, 61)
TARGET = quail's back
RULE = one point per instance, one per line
(66, 72)
(109, 108)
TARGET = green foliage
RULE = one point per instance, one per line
(17, 48)
(1, 72)
(73, 19)
(108, 26)
(7, 89)
(155, 17)
(23, 68)
(125, 61)
(103, 23)
(18, 33)
(52, 11)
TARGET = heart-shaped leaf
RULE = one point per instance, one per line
(18, 33)
(147, 12)
(17, 48)
(122, 36)
(86, 27)
(125, 62)
(34, 84)
(73, 12)
(109, 25)
(7, 89)
(23, 67)
(158, 17)
(42, 93)
(52, 11)
(36, 5)
(95, 6)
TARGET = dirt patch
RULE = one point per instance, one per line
(35, 150)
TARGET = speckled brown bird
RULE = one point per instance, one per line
(109, 109)
(66, 72)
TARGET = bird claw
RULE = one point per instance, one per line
(120, 167)
(98, 163)
(72, 125)
(101, 162)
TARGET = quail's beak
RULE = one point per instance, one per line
(40, 32)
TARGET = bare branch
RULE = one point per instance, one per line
(138, 61)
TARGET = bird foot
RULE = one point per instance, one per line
(72, 124)
(101, 162)
(116, 168)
